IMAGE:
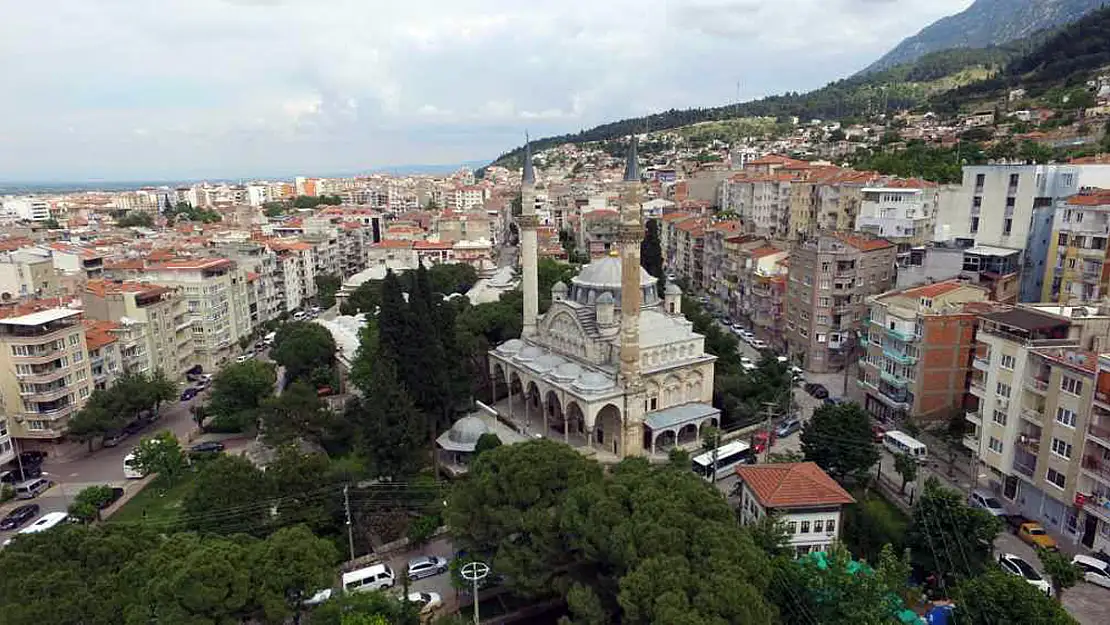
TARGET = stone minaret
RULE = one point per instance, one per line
(631, 234)
(528, 222)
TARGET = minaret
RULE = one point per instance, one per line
(630, 235)
(528, 222)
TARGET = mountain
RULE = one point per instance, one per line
(986, 23)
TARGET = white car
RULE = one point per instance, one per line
(1095, 570)
(1016, 566)
(428, 601)
(744, 360)
(245, 357)
(984, 500)
(759, 344)
(318, 598)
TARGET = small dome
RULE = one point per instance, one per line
(566, 372)
(672, 289)
(606, 272)
(468, 430)
(605, 298)
(593, 382)
(547, 362)
(560, 287)
(510, 346)
(528, 354)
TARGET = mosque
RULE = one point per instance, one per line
(610, 366)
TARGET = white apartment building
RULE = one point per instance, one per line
(28, 208)
(7, 447)
(152, 324)
(44, 371)
(297, 278)
(803, 498)
(1093, 484)
(900, 211)
(257, 194)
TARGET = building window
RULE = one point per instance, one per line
(1062, 239)
(823, 302)
(995, 445)
(830, 526)
(980, 179)
(1065, 417)
(818, 527)
(1000, 418)
(84, 392)
(1071, 385)
(1055, 478)
(1008, 361)
(1061, 448)
(974, 225)
(805, 527)
(1014, 178)
(1007, 226)
(820, 337)
(976, 201)
(1010, 202)
(792, 527)
(1002, 390)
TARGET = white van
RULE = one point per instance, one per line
(31, 488)
(901, 443)
(376, 577)
(269, 338)
(1094, 570)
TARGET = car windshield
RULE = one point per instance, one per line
(991, 502)
(1027, 571)
(1037, 531)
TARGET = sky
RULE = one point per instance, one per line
(181, 89)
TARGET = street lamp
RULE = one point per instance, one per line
(475, 572)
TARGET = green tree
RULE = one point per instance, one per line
(995, 597)
(307, 490)
(839, 439)
(52, 224)
(771, 535)
(136, 219)
(161, 454)
(87, 504)
(365, 298)
(948, 537)
(241, 388)
(390, 429)
(906, 466)
(1060, 571)
(225, 498)
(96, 418)
(486, 442)
(194, 580)
(327, 285)
(871, 523)
(303, 348)
(651, 253)
(297, 414)
(289, 567)
(366, 608)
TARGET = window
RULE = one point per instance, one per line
(999, 417)
(980, 179)
(974, 225)
(995, 445)
(1061, 448)
(792, 527)
(74, 339)
(1007, 226)
(976, 201)
(1065, 417)
(1062, 240)
(84, 392)
(1055, 478)
(1071, 385)
(1010, 202)
(823, 302)
(830, 525)
(1014, 179)
(1003, 390)
(818, 527)
(805, 527)
(824, 285)
(820, 337)
(1008, 361)
(826, 267)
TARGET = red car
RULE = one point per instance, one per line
(879, 431)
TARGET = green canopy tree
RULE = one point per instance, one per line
(302, 348)
(947, 536)
(307, 491)
(297, 414)
(290, 566)
(241, 387)
(390, 429)
(194, 580)
(1060, 571)
(839, 439)
(225, 498)
(906, 466)
(995, 597)
(327, 285)
(161, 454)
(366, 608)
(87, 504)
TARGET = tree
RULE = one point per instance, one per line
(161, 454)
(390, 429)
(96, 418)
(870, 524)
(225, 498)
(290, 566)
(302, 348)
(307, 490)
(297, 414)
(771, 535)
(366, 608)
(52, 224)
(486, 442)
(995, 597)
(839, 439)
(1060, 571)
(136, 219)
(906, 466)
(651, 252)
(88, 503)
(194, 580)
(365, 298)
(327, 285)
(241, 387)
(948, 537)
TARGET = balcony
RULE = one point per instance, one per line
(50, 415)
(1027, 470)
(901, 335)
(1096, 468)
(1037, 385)
(1029, 444)
(900, 357)
(1099, 506)
(971, 441)
(1099, 434)
(1032, 414)
(50, 375)
(978, 386)
(894, 380)
(39, 357)
(974, 416)
(48, 394)
(982, 364)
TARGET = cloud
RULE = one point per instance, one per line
(273, 87)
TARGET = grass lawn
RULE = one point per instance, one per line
(162, 506)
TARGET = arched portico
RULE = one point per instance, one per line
(607, 429)
(575, 422)
(553, 414)
(688, 434)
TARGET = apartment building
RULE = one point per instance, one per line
(75, 260)
(215, 295)
(297, 278)
(7, 446)
(456, 226)
(44, 370)
(760, 296)
(714, 260)
(916, 352)
(27, 272)
(805, 501)
(105, 359)
(151, 323)
(1092, 496)
(995, 268)
(900, 211)
(1033, 381)
(1077, 258)
(688, 237)
(829, 280)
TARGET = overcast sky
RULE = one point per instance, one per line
(131, 89)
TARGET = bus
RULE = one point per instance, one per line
(901, 443)
(729, 456)
(131, 469)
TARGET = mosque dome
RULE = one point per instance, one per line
(603, 277)
(566, 372)
(467, 431)
(593, 382)
(528, 354)
(672, 289)
(510, 346)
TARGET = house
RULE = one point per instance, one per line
(800, 495)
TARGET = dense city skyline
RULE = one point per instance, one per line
(242, 88)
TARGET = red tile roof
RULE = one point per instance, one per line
(766, 250)
(862, 244)
(933, 290)
(99, 333)
(1091, 197)
(100, 288)
(792, 485)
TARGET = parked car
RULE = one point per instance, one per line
(878, 431)
(188, 394)
(428, 601)
(817, 390)
(1016, 566)
(113, 438)
(193, 371)
(207, 447)
(244, 357)
(1095, 570)
(19, 474)
(17, 517)
(984, 500)
(1035, 535)
(788, 427)
(758, 344)
(835, 401)
(318, 598)
(426, 566)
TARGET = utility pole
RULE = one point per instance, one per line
(770, 406)
(350, 527)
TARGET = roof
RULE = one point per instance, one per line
(186, 264)
(42, 316)
(679, 415)
(432, 245)
(933, 290)
(765, 250)
(100, 288)
(776, 159)
(1026, 319)
(792, 485)
(862, 244)
(1090, 197)
(99, 333)
(990, 250)
(394, 244)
